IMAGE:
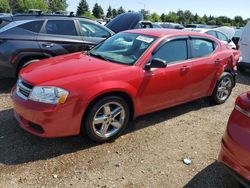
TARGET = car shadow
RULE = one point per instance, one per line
(6, 85)
(243, 78)
(17, 146)
(216, 176)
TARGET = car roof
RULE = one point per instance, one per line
(18, 17)
(165, 32)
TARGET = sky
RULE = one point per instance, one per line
(228, 8)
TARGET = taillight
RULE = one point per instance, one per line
(243, 104)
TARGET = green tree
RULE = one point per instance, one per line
(97, 11)
(82, 8)
(172, 17)
(114, 12)
(4, 6)
(22, 6)
(163, 17)
(57, 5)
(89, 15)
(109, 12)
(155, 17)
(238, 21)
(145, 13)
(120, 10)
(181, 16)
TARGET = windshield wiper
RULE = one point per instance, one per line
(98, 56)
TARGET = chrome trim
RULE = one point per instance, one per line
(19, 87)
(242, 111)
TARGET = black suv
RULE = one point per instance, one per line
(28, 38)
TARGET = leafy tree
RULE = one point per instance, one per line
(4, 6)
(109, 12)
(155, 17)
(97, 11)
(145, 13)
(181, 16)
(82, 8)
(238, 21)
(114, 13)
(22, 6)
(163, 17)
(57, 5)
(172, 17)
(120, 10)
(89, 15)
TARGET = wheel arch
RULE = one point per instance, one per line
(124, 95)
(21, 58)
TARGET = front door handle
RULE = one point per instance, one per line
(48, 45)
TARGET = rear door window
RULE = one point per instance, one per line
(173, 51)
(33, 26)
(3, 23)
(202, 47)
(92, 30)
(222, 37)
(61, 27)
(212, 33)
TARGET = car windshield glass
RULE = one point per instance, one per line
(124, 48)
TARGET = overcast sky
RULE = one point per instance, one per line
(228, 8)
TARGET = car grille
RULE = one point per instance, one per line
(23, 89)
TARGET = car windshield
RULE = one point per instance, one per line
(124, 48)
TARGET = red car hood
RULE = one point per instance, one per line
(65, 66)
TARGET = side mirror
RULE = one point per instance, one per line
(156, 63)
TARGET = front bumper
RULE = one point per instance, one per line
(45, 120)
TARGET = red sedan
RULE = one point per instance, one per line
(235, 150)
(130, 74)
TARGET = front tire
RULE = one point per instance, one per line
(106, 119)
(223, 89)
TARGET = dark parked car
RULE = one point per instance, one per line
(130, 20)
(169, 25)
(27, 38)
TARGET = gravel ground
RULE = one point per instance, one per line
(149, 154)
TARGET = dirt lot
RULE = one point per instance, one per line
(149, 154)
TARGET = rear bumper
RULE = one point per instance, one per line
(239, 178)
(235, 148)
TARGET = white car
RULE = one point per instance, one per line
(244, 47)
(219, 34)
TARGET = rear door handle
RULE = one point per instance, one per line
(185, 68)
(48, 45)
(217, 61)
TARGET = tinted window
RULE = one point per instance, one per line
(3, 23)
(34, 26)
(201, 47)
(222, 37)
(173, 51)
(61, 27)
(93, 30)
(212, 33)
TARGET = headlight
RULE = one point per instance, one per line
(50, 95)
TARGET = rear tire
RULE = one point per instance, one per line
(223, 89)
(106, 119)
